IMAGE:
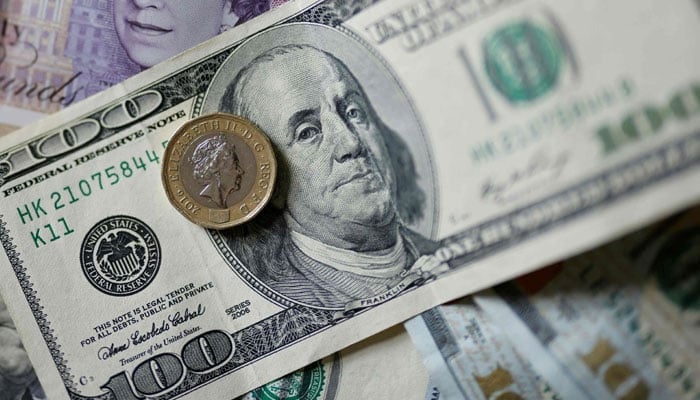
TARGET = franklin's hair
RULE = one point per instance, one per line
(261, 243)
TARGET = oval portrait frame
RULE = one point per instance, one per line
(383, 90)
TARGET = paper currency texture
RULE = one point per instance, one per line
(616, 322)
(17, 378)
(621, 320)
(470, 357)
(425, 152)
(354, 373)
(5, 129)
(55, 53)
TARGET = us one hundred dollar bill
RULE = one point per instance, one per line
(469, 356)
(347, 375)
(621, 320)
(17, 377)
(55, 53)
(427, 150)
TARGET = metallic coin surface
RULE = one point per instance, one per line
(219, 170)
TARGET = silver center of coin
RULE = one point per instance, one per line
(218, 164)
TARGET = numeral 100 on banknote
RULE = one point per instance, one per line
(163, 372)
(40, 151)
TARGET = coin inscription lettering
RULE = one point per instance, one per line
(219, 170)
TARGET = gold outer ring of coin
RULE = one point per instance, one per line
(197, 184)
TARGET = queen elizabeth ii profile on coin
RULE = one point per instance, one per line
(219, 170)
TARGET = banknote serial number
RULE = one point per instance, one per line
(114, 175)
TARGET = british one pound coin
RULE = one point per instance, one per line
(219, 170)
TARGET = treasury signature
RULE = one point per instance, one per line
(107, 352)
(138, 337)
(187, 315)
(540, 170)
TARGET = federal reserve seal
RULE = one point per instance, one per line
(120, 255)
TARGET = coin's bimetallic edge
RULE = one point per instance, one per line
(254, 201)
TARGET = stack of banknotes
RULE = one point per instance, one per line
(540, 157)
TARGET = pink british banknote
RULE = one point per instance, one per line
(55, 53)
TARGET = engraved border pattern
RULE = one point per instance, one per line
(34, 303)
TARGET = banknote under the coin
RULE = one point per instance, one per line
(426, 150)
(621, 320)
(55, 53)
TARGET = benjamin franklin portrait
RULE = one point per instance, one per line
(336, 231)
